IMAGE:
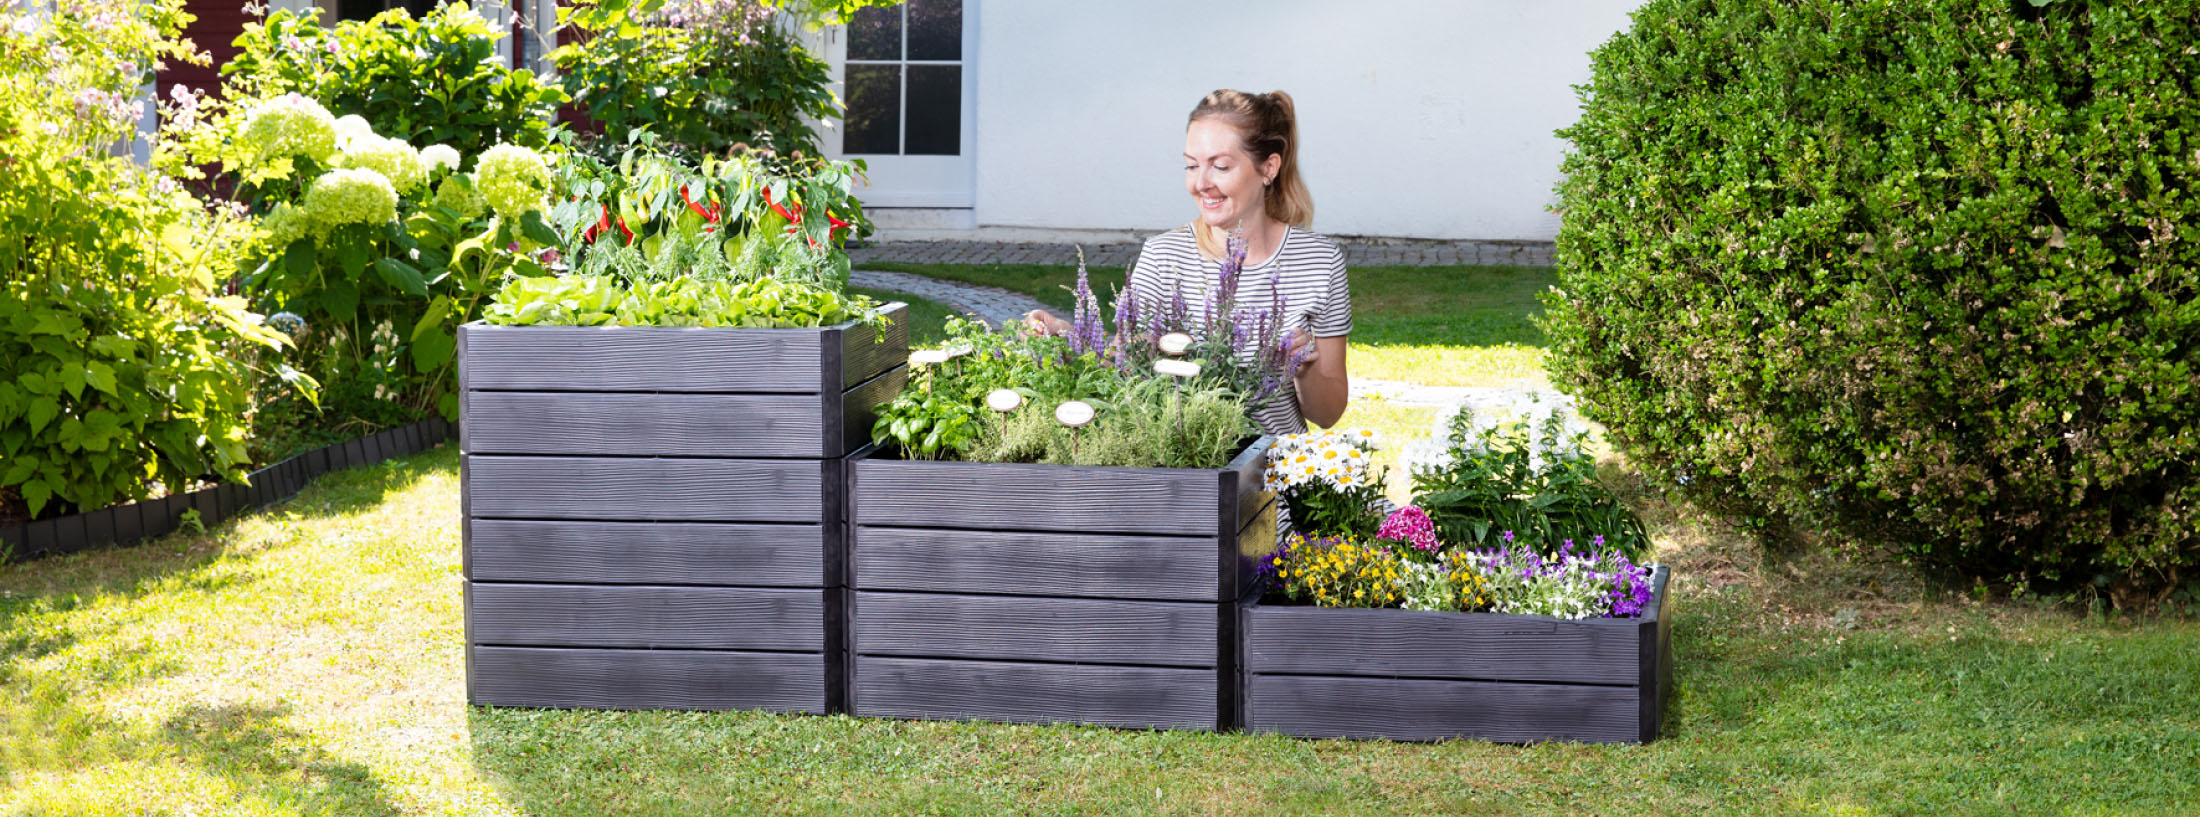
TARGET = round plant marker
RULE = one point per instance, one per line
(926, 357)
(1004, 400)
(959, 349)
(1175, 343)
(1074, 413)
(1176, 368)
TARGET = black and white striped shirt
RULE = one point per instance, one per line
(1308, 269)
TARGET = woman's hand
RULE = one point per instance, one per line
(1301, 343)
(1042, 322)
(1323, 387)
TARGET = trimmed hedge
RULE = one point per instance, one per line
(1923, 274)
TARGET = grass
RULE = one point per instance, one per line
(308, 661)
(1437, 326)
(927, 318)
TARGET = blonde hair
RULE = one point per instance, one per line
(1268, 125)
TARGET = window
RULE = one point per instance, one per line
(905, 80)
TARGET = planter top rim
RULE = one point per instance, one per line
(1658, 583)
(484, 326)
(1257, 447)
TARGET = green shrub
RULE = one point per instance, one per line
(122, 364)
(706, 75)
(435, 80)
(1921, 274)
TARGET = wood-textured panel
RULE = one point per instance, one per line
(513, 550)
(1417, 710)
(1036, 629)
(645, 616)
(642, 358)
(1132, 697)
(859, 409)
(997, 496)
(646, 425)
(865, 352)
(1050, 564)
(1427, 644)
(605, 488)
(645, 679)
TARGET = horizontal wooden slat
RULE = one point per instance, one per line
(1426, 644)
(645, 425)
(996, 496)
(643, 358)
(1133, 697)
(645, 616)
(606, 488)
(1052, 564)
(645, 679)
(1398, 709)
(575, 552)
(866, 353)
(1036, 629)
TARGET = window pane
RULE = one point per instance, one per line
(935, 29)
(874, 110)
(875, 34)
(935, 110)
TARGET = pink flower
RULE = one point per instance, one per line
(1410, 525)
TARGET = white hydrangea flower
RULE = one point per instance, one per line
(291, 125)
(440, 157)
(392, 158)
(514, 180)
(350, 196)
(351, 128)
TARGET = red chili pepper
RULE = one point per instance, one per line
(709, 214)
(792, 218)
(623, 229)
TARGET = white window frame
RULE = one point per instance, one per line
(916, 181)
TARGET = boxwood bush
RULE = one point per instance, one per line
(1924, 274)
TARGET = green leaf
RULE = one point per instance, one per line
(401, 275)
(536, 230)
(43, 409)
(72, 379)
(35, 494)
(298, 259)
(437, 311)
(341, 299)
(433, 350)
(100, 375)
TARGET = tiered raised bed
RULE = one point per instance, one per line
(653, 516)
(1417, 675)
(1046, 593)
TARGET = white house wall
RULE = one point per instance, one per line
(1425, 119)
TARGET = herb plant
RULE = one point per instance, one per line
(1532, 481)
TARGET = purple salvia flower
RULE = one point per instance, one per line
(1085, 332)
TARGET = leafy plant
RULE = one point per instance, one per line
(1917, 275)
(434, 80)
(709, 75)
(1507, 481)
(593, 300)
(123, 366)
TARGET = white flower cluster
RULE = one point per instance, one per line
(395, 160)
(1336, 458)
(291, 125)
(513, 179)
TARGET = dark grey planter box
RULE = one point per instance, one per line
(654, 516)
(1419, 675)
(1046, 594)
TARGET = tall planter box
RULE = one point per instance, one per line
(1047, 593)
(653, 515)
(1420, 675)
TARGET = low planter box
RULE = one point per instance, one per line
(1420, 675)
(654, 515)
(1046, 593)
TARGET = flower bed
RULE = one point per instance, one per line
(1429, 675)
(653, 516)
(1051, 593)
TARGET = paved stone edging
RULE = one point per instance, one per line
(996, 306)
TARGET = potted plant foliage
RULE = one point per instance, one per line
(1383, 626)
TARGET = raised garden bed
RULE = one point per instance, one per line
(1415, 675)
(1047, 593)
(653, 515)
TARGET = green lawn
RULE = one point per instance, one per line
(308, 661)
(927, 318)
(1438, 326)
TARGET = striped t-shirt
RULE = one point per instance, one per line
(1307, 269)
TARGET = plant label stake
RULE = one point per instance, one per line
(1003, 401)
(1075, 414)
(1182, 370)
(1175, 343)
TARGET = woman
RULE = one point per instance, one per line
(1241, 168)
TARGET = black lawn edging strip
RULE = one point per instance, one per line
(153, 518)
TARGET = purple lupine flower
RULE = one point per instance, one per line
(1085, 332)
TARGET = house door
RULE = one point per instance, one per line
(908, 84)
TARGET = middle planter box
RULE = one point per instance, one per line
(1052, 594)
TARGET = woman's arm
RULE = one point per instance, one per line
(1324, 389)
